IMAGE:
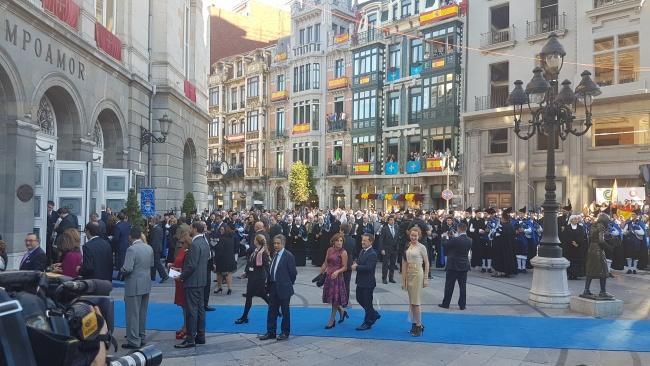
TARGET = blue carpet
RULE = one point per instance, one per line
(503, 331)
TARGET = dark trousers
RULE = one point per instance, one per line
(347, 276)
(249, 303)
(206, 289)
(157, 266)
(195, 320)
(275, 305)
(364, 298)
(450, 283)
(388, 265)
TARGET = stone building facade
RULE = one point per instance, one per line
(78, 81)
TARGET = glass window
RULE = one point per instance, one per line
(406, 8)
(415, 95)
(253, 86)
(242, 96)
(316, 75)
(339, 68)
(295, 79)
(252, 121)
(364, 108)
(280, 83)
(233, 99)
(214, 97)
(115, 184)
(105, 11)
(70, 179)
(317, 33)
(499, 141)
(393, 109)
(214, 128)
(279, 119)
(617, 59)
(315, 115)
(251, 155)
(186, 41)
(630, 129)
(240, 68)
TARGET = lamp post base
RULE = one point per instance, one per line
(550, 288)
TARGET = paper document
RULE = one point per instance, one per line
(174, 273)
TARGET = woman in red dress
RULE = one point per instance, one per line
(184, 240)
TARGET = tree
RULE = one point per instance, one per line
(189, 205)
(132, 211)
(301, 185)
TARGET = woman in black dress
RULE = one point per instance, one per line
(257, 268)
(224, 261)
(504, 261)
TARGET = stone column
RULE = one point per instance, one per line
(18, 216)
(87, 19)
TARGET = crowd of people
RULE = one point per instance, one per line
(340, 242)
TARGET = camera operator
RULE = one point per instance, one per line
(100, 359)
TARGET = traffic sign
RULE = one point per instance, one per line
(447, 194)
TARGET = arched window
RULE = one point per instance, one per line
(46, 117)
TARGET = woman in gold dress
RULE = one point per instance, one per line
(415, 264)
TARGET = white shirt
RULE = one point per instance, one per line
(276, 260)
(197, 236)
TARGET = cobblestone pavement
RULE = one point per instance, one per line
(486, 296)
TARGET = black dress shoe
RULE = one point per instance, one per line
(185, 344)
(364, 326)
(384, 282)
(129, 346)
(210, 308)
(283, 337)
(266, 337)
(393, 281)
(241, 321)
(461, 307)
(443, 306)
(200, 341)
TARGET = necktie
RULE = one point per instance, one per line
(392, 232)
(275, 265)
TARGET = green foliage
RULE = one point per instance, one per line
(301, 183)
(189, 205)
(132, 211)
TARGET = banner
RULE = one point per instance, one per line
(392, 168)
(633, 194)
(413, 166)
(148, 202)
(66, 10)
(108, 42)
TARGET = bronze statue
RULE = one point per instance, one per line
(596, 260)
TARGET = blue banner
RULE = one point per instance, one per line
(413, 166)
(148, 202)
(392, 168)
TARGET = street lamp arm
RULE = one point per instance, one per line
(146, 137)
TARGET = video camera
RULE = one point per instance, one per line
(51, 320)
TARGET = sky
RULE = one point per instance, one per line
(230, 3)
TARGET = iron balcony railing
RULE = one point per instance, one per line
(496, 100)
(279, 134)
(306, 49)
(338, 168)
(277, 173)
(337, 125)
(546, 25)
(498, 36)
(369, 36)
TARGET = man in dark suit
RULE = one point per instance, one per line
(157, 234)
(275, 228)
(194, 279)
(366, 283)
(457, 250)
(350, 246)
(281, 279)
(35, 258)
(102, 226)
(389, 245)
(97, 259)
(121, 239)
(52, 217)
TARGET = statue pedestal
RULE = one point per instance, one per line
(597, 308)
(550, 288)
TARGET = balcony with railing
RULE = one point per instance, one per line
(279, 134)
(337, 122)
(441, 115)
(540, 28)
(498, 39)
(338, 168)
(367, 37)
(306, 49)
(253, 172)
(253, 135)
(275, 173)
(236, 138)
(439, 61)
(338, 83)
(340, 40)
(498, 99)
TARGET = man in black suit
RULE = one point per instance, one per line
(157, 234)
(281, 279)
(97, 255)
(35, 258)
(389, 247)
(366, 283)
(276, 228)
(52, 217)
(457, 250)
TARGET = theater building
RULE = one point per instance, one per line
(78, 83)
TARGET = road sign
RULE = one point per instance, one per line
(447, 194)
(148, 202)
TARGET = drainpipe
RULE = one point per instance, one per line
(151, 97)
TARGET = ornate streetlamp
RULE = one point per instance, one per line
(552, 114)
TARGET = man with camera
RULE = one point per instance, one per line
(137, 286)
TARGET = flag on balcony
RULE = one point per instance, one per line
(190, 91)
(392, 168)
(108, 42)
(66, 10)
(413, 167)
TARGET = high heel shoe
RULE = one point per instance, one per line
(241, 321)
(218, 291)
(343, 316)
(229, 292)
(330, 326)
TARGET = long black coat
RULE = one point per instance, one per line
(578, 235)
(257, 275)
(224, 259)
(504, 250)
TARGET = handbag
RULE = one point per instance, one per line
(320, 279)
